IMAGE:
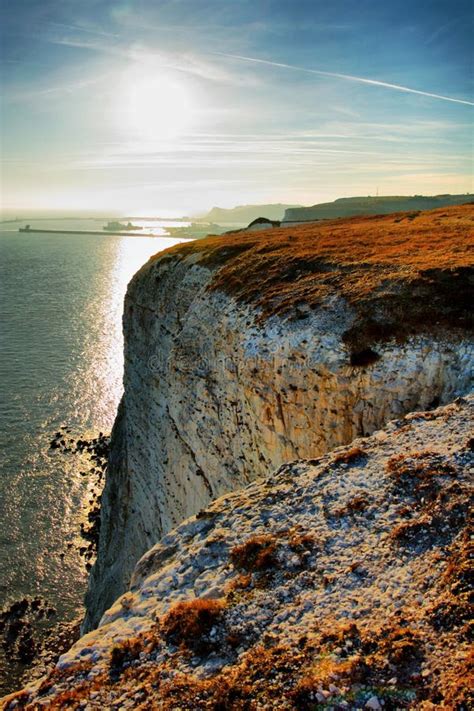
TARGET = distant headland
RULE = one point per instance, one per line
(372, 205)
(341, 207)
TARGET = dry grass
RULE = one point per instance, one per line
(435, 503)
(258, 675)
(358, 662)
(459, 573)
(283, 673)
(401, 276)
(357, 504)
(421, 474)
(450, 613)
(458, 685)
(188, 623)
(299, 541)
(240, 582)
(70, 698)
(256, 554)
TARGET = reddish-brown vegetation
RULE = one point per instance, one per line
(401, 276)
(450, 613)
(459, 573)
(357, 504)
(240, 582)
(420, 474)
(458, 685)
(354, 663)
(256, 554)
(188, 623)
(435, 504)
(300, 541)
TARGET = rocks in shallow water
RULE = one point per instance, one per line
(31, 639)
(26, 624)
(26, 647)
(21, 627)
(97, 450)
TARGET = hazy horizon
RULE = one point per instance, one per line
(170, 108)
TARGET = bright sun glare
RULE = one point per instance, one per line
(154, 105)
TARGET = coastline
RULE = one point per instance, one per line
(66, 374)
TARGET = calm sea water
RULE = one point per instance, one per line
(61, 299)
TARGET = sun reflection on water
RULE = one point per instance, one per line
(101, 367)
(61, 303)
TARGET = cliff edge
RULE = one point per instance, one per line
(246, 351)
(337, 583)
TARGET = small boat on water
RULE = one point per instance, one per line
(119, 226)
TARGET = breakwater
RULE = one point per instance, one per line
(89, 232)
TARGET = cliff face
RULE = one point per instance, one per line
(243, 214)
(342, 583)
(247, 351)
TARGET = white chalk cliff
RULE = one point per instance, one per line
(215, 397)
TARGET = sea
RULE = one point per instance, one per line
(61, 362)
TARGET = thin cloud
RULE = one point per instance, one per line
(346, 77)
(102, 48)
(186, 63)
(442, 30)
(69, 88)
(80, 28)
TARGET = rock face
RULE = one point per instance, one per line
(339, 582)
(243, 214)
(222, 387)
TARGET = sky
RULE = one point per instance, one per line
(169, 107)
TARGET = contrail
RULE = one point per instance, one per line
(347, 77)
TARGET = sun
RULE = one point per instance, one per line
(154, 105)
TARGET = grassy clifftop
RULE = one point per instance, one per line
(403, 274)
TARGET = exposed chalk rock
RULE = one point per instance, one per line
(341, 581)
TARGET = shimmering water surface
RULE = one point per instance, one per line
(61, 299)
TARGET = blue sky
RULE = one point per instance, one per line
(170, 107)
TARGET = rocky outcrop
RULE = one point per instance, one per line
(341, 582)
(247, 351)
